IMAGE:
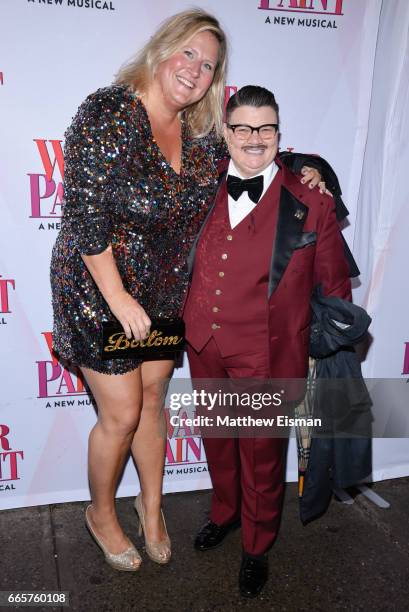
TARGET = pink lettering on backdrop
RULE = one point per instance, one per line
(330, 7)
(5, 284)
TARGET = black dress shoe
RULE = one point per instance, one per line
(211, 535)
(253, 575)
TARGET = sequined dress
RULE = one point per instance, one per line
(120, 190)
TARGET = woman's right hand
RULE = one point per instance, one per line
(131, 315)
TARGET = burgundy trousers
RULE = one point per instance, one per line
(247, 473)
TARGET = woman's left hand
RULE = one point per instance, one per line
(313, 177)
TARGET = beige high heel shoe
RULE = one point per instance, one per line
(127, 561)
(158, 551)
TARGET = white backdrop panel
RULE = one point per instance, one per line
(383, 216)
(54, 53)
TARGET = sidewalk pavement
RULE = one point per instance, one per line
(355, 558)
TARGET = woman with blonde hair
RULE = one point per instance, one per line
(141, 172)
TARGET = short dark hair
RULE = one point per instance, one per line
(251, 95)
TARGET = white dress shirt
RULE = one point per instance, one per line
(243, 206)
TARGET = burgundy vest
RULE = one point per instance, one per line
(228, 297)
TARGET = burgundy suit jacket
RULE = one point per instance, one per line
(307, 251)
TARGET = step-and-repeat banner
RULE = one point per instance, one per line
(318, 58)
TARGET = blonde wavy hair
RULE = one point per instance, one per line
(137, 73)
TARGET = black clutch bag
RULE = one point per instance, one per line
(166, 339)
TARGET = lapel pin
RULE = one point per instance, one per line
(299, 214)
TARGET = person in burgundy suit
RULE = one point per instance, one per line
(266, 243)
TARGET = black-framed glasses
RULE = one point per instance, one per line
(243, 131)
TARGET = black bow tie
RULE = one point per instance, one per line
(254, 186)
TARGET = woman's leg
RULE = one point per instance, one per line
(119, 402)
(149, 444)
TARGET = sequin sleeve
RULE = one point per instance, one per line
(93, 146)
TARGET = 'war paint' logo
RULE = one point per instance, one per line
(59, 385)
(10, 461)
(184, 450)
(46, 187)
(318, 9)
(6, 285)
